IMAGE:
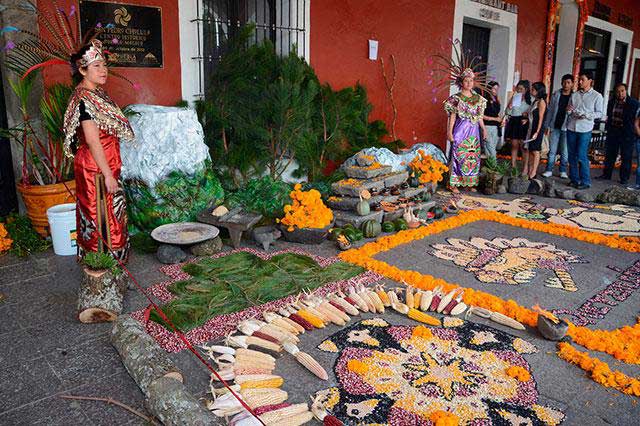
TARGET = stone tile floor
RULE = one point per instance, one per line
(45, 352)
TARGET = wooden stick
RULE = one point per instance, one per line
(113, 402)
(390, 87)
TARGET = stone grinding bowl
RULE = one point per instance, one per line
(551, 330)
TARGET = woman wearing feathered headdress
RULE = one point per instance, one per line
(466, 111)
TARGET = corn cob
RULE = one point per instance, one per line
(425, 300)
(383, 297)
(243, 364)
(306, 360)
(401, 308)
(242, 378)
(336, 311)
(273, 318)
(377, 302)
(417, 297)
(435, 302)
(313, 311)
(296, 420)
(300, 321)
(364, 295)
(408, 296)
(278, 333)
(348, 299)
(417, 315)
(310, 318)
(242, 352)
(269, 383)
(393, 297)
(246, 341)
(362, 305)
(445, 300)
(459, 308)
(250, 370)
(348, 307)
(282, 413)
(447, 310)
(266, 408)
(496, 317)
(259, 397)
(337, 306)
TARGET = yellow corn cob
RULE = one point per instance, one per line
(296, 420)
(244, 370)
(416, 299)
(383, 297)
(240, 379)
(376, 301)
(409, 297)
(269, 383)
(258, 397)
(310, 318)
(415, 314)
(293, 410)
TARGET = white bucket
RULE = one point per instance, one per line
(62, 223)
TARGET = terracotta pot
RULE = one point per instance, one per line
(38, 198)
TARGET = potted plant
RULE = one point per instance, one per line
(493, 173)
(427, 170)
(306, 220)
(47, 173)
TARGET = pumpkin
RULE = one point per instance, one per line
(437, 211)
(363, 208)
(388, 227)
(401, 224)
(358, 235)
(371, 228)
(334, 233)
(349, 233)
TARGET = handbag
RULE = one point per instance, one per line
(544, 151)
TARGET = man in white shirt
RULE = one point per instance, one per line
(585, 106)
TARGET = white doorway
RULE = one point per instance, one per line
(565, 41)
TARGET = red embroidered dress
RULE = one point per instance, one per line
(98, 211)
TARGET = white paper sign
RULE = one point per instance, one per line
(373, 50)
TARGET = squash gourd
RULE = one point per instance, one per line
(363, 208)
(358, 235)
(334, 233)
(371, 228)
(401, 224)
(349, 233)
(388, 227)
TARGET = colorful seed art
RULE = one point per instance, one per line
(514, 261)
(402, 375)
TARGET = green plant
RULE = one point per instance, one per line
(143, 243)
(99, 261)
(263, 195)
(25, 239)
(43, 163)
(501, 167)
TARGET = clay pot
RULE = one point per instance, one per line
(550, 330)
(38, 198)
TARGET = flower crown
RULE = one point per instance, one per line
(468, 72)
(94, 53)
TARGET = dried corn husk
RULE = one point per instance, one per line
(401, 308)
(225, 374)
(245, 419)
(458, 309)
(408, 298)
(364, 295)
(225, 405)
(377, 302)
(393, 297)
(280, 415)
(306, 360)
(258, 397)
(246, 341)
(445, 300)
(362, 305)
(219, 349)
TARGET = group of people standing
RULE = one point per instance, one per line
(567, 119)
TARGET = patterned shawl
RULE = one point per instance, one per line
(106, 114)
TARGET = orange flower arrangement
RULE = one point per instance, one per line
(306, 211)
(5, 241)
(622, 343)
(519, 373)
(444, 418)
(427, 168)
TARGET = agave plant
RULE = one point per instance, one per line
(43, 163)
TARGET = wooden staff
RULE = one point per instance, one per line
(101, 213)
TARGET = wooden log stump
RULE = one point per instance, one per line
(101, 295)
(171, 403)
(143, 358)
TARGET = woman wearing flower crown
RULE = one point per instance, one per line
(94, 126)
(465, 110)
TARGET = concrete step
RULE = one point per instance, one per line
(352, 187)
(349, 203)
(368, 172)
(343, 217)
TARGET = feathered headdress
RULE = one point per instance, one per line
(448, 71)
(57, 40)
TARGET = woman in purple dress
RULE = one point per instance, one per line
(465, 110)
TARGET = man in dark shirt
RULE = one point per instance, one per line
(621, 134)
(556, 127)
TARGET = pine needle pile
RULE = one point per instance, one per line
(240, 280)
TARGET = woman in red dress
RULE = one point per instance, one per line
(94, 126)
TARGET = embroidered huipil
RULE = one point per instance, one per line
(464, 150)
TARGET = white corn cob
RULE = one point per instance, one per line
(285, 318)
(377, 302)
(258, 397)
(306, 360)
(271, 417)
(246, 341)
(401, 308)
(278, 333)
(348, 307)
(408, 298)
(273, 318)
(254, 354)
(363, 293)
(335, 311)
(362, 305)
(296, 420)
(219, 349)
(329, 314)
(445, 300)
(458, 309)
(425, 300)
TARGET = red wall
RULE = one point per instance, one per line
(160, 86)
(405, 28)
